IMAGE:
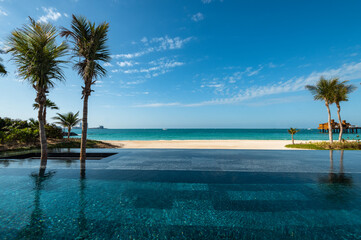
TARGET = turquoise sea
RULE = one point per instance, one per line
(207, 134)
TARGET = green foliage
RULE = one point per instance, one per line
(37, 55)
(24, 135)
(2, 68)
(53, 131)
(75, 143)
(48, 104)
(19, 131)
(343, 145)
(68, 120)
(293, 131)
(324, 90)
(89, 47)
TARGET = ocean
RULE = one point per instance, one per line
(207, 134)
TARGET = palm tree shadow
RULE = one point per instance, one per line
(82, 221)
(36, 227)
(336, 184)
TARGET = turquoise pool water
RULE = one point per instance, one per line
(185, 194)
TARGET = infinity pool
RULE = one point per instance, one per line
(185, 194)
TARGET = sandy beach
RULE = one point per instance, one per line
(207, 144)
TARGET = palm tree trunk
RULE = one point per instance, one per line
(340, 122)
(293, 141)
(44, 115)
(329, 123)
(43, 143)
(69, 129)
(84, 133)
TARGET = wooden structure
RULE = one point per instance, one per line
(347, 127)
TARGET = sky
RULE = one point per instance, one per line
(199, 63)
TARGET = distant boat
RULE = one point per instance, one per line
(309, 128)
(164, 129)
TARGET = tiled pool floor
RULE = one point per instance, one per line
(186, 194)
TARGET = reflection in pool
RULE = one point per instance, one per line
(185, 194)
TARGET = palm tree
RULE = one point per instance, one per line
(37, 57)
(68, 120)
(293, 131)
(341, 94)
(2, 68)
(89, 46)
(324, 91)
(48, 104)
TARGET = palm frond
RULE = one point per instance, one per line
(89, 45)
(36, 54)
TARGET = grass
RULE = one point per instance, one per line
(55, 143)
(344, 145)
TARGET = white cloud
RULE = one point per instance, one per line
(158, 67)
(107, 64)
(254, 72)
(170, 43)
(125, 64)
(51, 14)
(133, 55)
(158, 105)
(3, 13)
(197, 17)
(157, 45)
(66, 15)
(349, 71)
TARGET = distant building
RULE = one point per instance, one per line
(347, 127)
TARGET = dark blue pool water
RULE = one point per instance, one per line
(185, 194)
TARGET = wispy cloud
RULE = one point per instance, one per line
(158, 105)
(107, 64)
(156, 45)
(51, 14)
(209, 1)
(152, 69)
(197, 17)
(349, 71)
(126, 64)
(3, 13)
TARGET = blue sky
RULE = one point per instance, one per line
(201, 63)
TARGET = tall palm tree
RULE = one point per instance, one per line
(48, 104)
(38, 59)
(89, 46)
(293, 131)
(324, 91)
(2, 68)
(68, 120)
(341, 94)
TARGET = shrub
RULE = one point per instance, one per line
(53, 131)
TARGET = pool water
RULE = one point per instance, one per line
(185, 194)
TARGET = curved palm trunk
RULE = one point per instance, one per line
(329, 123)
(340, 122)
(84, 133)
(43, 143)
(293, 141)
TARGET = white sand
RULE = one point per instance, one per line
(206, 144)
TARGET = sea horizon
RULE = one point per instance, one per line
(154, 134)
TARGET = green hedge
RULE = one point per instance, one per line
(19, 131)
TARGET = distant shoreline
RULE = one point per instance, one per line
(205, 144)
